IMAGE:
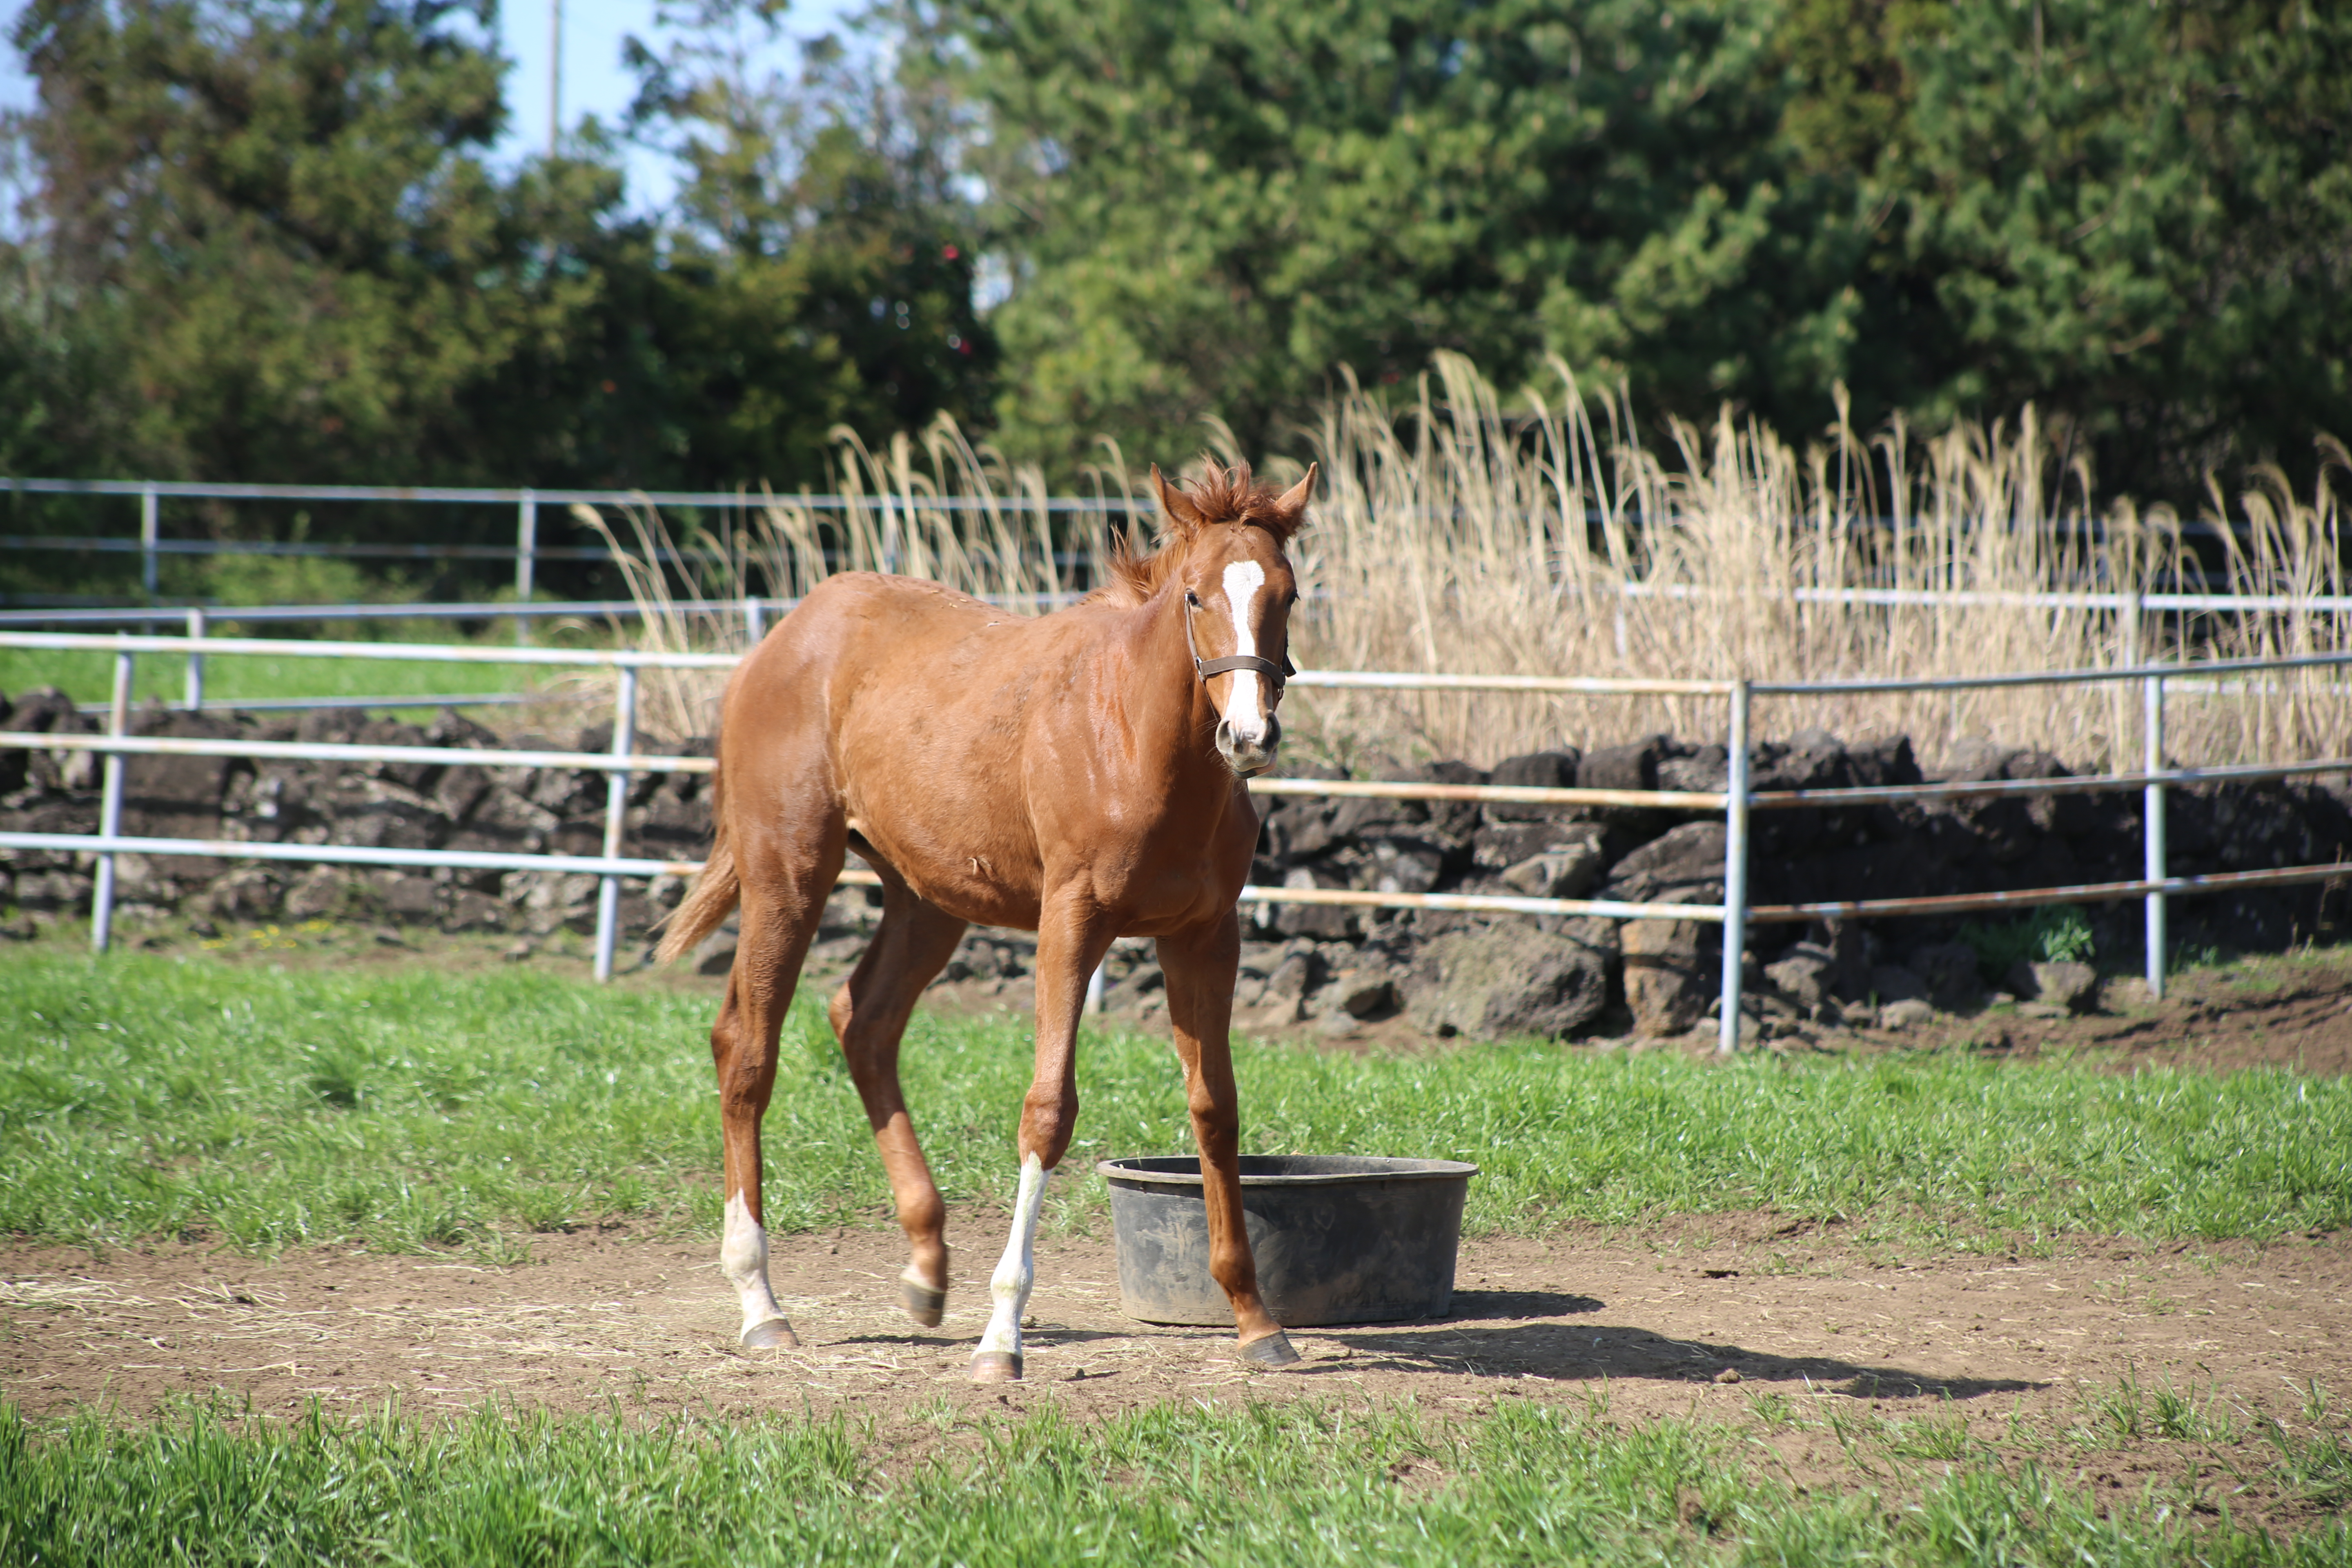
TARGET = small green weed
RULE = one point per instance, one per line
(2316, 1469)
(1942, 1437)
(2115, 1415)
(2180, 1416)
(2052, 933)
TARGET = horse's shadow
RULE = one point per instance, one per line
(1462, 1346)
(1470, 1306)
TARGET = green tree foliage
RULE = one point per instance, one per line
(274, 223)
(264, 242)
(2139, 214)
(820, 264)
(279, 216)
(1216, 206)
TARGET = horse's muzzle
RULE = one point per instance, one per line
(1252, 753)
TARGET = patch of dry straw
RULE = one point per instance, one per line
(1455, 535)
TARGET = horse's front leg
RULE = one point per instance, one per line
(1200, 965)
(1072, 934)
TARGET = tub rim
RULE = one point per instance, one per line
(1131, 1168)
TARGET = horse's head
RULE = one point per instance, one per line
(1238, 589)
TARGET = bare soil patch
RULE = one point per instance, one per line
(1696, 1323)
(2292, 1012)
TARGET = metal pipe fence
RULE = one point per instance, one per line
(1736, 801)
(526, 501)
(2123, 602)
(526, 552)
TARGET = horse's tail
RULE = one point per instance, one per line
(713, 897)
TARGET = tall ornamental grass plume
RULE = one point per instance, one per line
(1546, 534)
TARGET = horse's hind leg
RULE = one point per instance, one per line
(869, 1017)
(785, 879)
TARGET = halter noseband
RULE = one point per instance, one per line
(1278, 674)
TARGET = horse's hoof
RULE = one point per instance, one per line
(775, 1334)
(1274, 1350)
(995, 1366)
(925, 1305)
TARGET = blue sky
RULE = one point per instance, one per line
(593, 80)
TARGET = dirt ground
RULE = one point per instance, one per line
(1689, 1321)
(2290, 1011)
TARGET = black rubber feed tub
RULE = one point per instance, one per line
(1338, 1238)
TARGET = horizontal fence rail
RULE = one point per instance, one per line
(1736, 801)
(2153, 603)
(526, 552)
(459, 610)
(2027, 898)
(198, 489)
(314, 704)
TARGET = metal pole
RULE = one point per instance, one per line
(195, 696)
(554, 73)
(526, 558)
(2152, 836)
(2132, 608)
(755, 618)
(616, 800)
(110, 814)
(148, 536)
(1735, 872)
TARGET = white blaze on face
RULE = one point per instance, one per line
(743, 1257)
(1246, 711)
(1017, 1271)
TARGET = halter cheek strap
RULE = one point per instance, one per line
(1205, 667)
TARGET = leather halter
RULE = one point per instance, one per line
(1278, 674)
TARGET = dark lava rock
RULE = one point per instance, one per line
(1505, 980)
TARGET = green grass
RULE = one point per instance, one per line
(87, 676)
(142, 1095)
(1296, 1483)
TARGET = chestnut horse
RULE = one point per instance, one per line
(1078, 774)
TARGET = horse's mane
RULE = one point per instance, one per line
(1218, 496)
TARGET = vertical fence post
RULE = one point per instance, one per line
(149, 535)
(616, 801)
(1095, 987)
(2129, 609)
(526, 559)
(2152, 835)
(1735, 871)
(195, 702)
(755, 618)
(110, 813)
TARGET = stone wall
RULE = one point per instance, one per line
(1328, 967)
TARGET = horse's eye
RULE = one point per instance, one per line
(1192, 598)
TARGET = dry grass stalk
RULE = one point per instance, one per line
(1454, 535)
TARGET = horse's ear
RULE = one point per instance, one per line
(1183, 516)
(1290, 510)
